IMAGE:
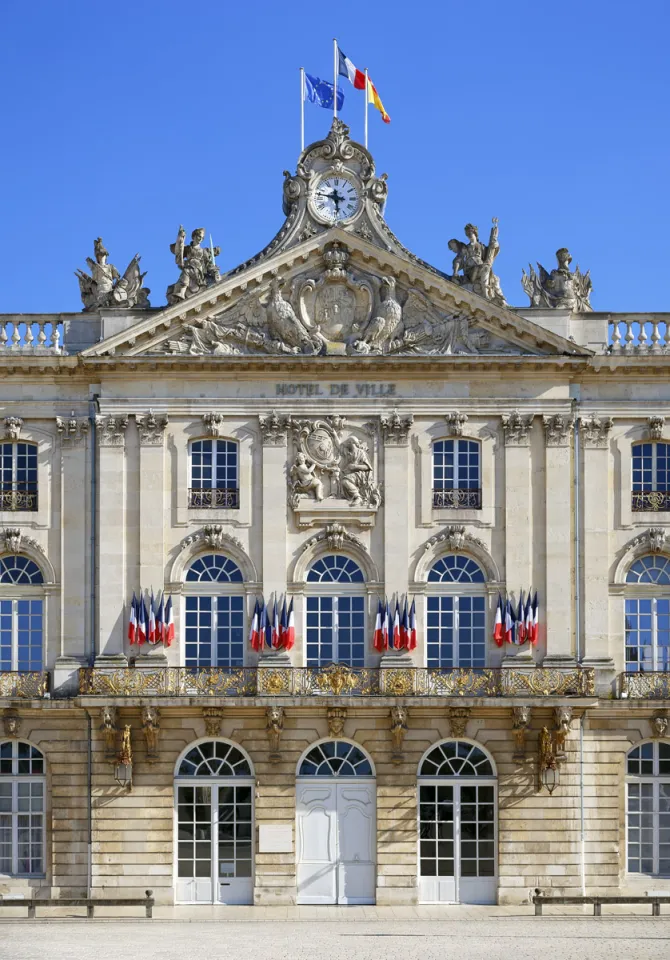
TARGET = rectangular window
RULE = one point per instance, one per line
(22, 827)
(647, 628)
(456, 632)
(214, 632)
(18, 476)
(335, 631)
(651, 477)
(457, 474)
(214, 474)
(21, 634)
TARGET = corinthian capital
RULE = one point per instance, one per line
(596, 430)
(395, 429)
(516, 427)
(273, 429)
(557, 429)
(111, 430)
(151, 428)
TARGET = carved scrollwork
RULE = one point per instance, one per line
(516, 428)
(211, 535)
(455, 538)
(273, 429)
(458, 720)
(557, 429)
(213, 717)
(335, 537)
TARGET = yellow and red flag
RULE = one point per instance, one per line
(374, 98)
(356, 77)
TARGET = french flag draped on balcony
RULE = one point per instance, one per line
(283, 625)
(132, 620)
(411, 644)
(151, 633)
(528, 618)
(520, 621)
(396, 627)
(160, 618)
(386, 619)
(404, 627)
(536, 620)
(509, 623)
(255, 641)
(275, 627)
(169, 623)
(378, 636)
(290, 629)
(262, 624)
(498, 632)
(142, 619)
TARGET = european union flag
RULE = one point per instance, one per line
(321, 92)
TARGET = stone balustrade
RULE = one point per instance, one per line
(639, 333)
(30, 336)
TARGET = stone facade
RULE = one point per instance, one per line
(113, 401)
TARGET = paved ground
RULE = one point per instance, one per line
(331, 933)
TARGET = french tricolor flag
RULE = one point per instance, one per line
(411, 639)
(275, 627)
(348, 70)
(528, 618)
(151, 636)
(290, 628)
(536, 620)
(283, 625)
(254, 635)
(168, 625)
(498, 632)
(386, 619)
(132, 620)
(378, 636)
(520, 621)
(160, 617)
(404, 627)
(509, 623)
(396, 627)
(142, 619)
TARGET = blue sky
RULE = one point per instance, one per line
(126, 119)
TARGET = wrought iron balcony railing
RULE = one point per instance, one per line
(18, 499)
(335, 680)
(651, 685)
(24, 685)
(223, 498)
(652, 501)
(458, 498)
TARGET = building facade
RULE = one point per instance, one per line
(335, 424)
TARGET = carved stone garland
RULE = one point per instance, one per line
(336, 537)
(15, 539)
(455, 538)
(211, 535)
(653, 539)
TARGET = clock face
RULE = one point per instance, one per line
(336, 199)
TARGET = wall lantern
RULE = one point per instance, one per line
(123, 769)
(547, 762)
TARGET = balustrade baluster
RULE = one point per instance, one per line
(29, 338)
(55, 339)
(630, 336)
(16, 337)
(41, 335)
(655, 336)
(3, 337)
(643, 339)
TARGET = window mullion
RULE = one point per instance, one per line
(654, 634)
(15, 827)
(454, 638)
(15, 467)
(457, 479)
(654, 480)
(655, 823)
(15, 635)
(336, 632)
(215, 631)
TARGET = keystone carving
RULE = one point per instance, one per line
(336, 537)
(395, 429)
(336, 717)
(211, 535)
(596, 430)
(109, 717)
(455, 538)
(520, 723)
(11, 722)
(562, 721)
(13, 428)
(151, 726)
(15, 539)
(655, 425)
(516, 427)
(455, 423)
(72, 430)
(111, 431)
(653, 539)
(151, 428)
(458, 720)
(274, 726)
(557, 429)
(212, 717)
(398, 731)
(213, 423)
(274, 429)
(659, 725)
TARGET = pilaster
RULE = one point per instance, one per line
(274, 431)
(518, 513)
(151, 431)
(559, 563)
(111, 432)
(395, 436)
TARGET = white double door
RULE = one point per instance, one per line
(214, 842)
(457, 841)
(336, 841)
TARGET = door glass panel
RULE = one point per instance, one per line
(436, 830)
(194, 831)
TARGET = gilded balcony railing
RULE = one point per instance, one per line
(651, 501)
(335, 679)
(17, 500)
(652, 685)
(23, 684)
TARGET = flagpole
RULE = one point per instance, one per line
(335, 79)
(302, 109)
(366, 108)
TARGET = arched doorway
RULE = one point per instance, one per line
(335, 825)
(457, 824)
(214, 816)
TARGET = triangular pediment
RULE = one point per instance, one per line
(339, 295)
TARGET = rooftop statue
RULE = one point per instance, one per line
(475, 259)
(197, 264)
(560, 288)
(106, 288)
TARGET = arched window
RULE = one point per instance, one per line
(457, 474)
(648, 808)
(457, 824)
(335, 758)
(214, 604)
(647, 624)
(335, 629)
(214, 474)
(455, 613)
(651, 477)
(18, 476)
(214, 794)
(22, 796)
(21, 614)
